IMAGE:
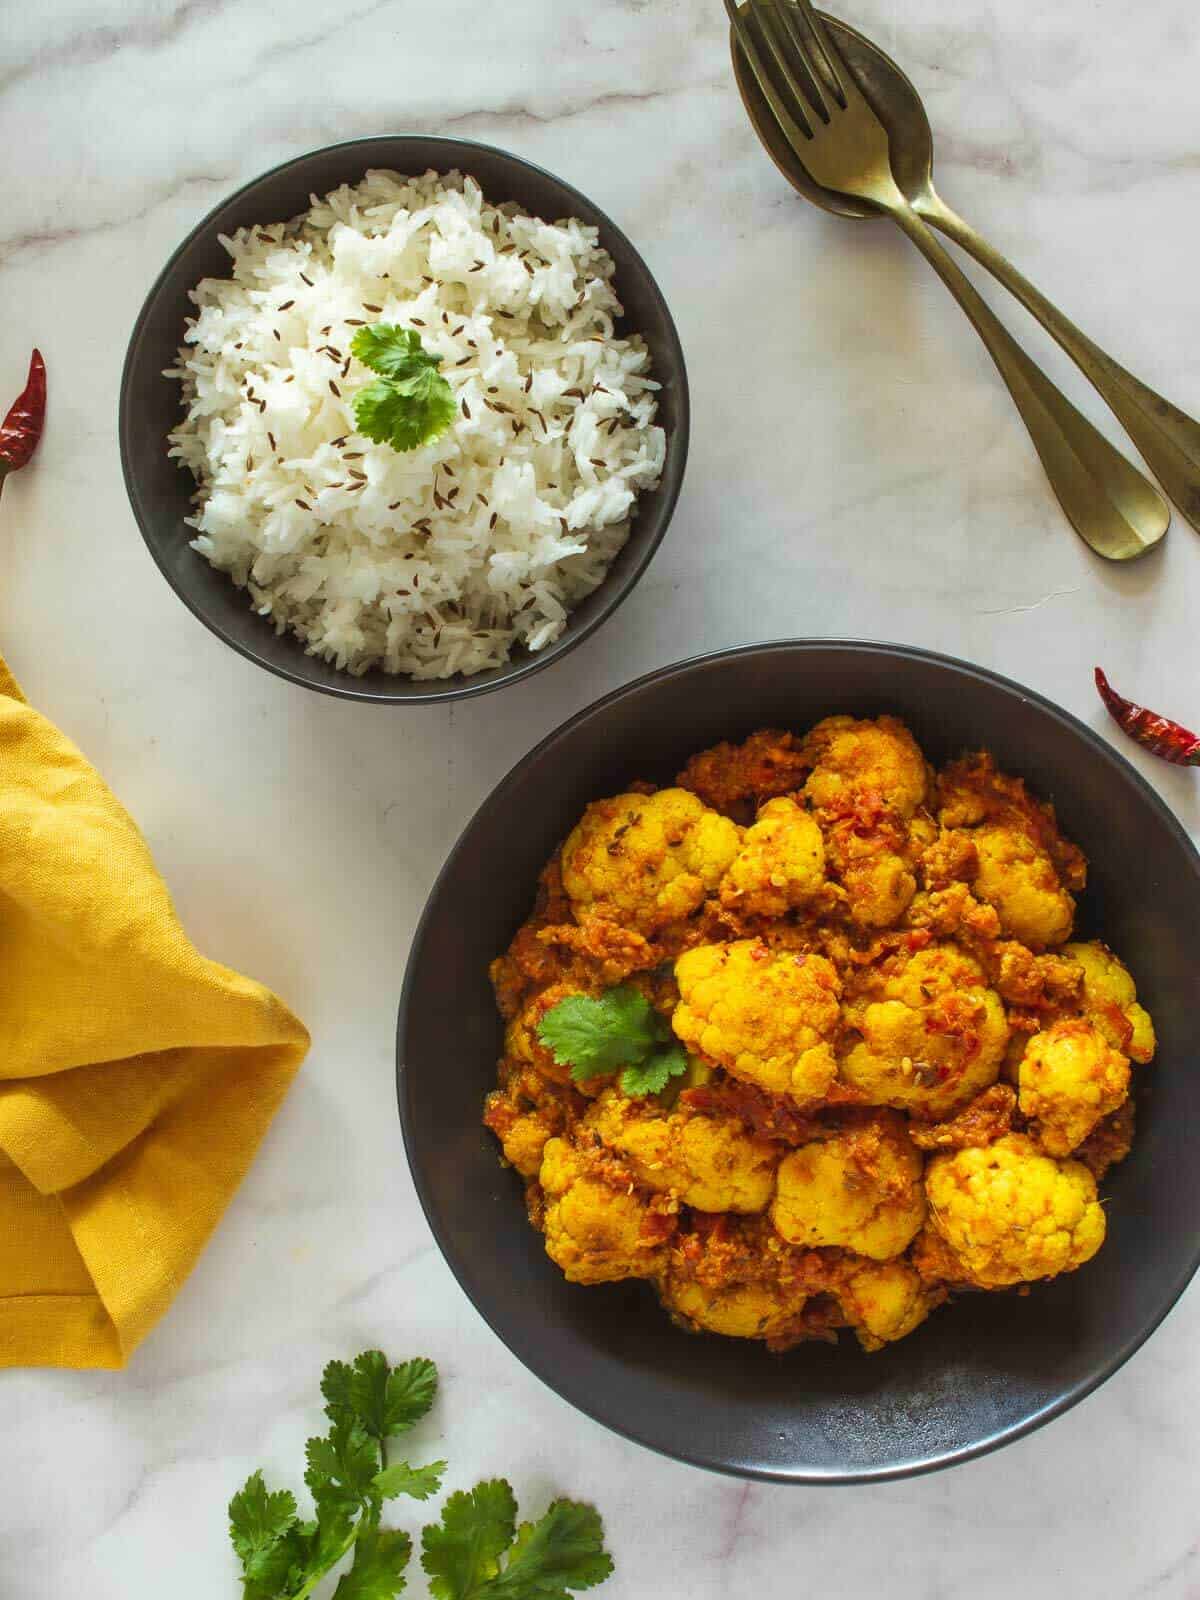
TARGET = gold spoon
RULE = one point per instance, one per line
(1168, 438)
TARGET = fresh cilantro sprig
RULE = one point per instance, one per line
(410, 403)
(476, 1551)
(347, 1475)
(619, 1030)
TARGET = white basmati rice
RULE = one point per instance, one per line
(439, 560)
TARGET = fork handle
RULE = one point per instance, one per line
(1168, 438)
(1112, 507)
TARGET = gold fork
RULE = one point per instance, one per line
(825, 118)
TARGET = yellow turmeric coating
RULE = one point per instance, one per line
(1070, 1077)
(860, 1188)
(851, 757)
(1011, 1214)
(764, 1016)
(707, 1162)
(1010, 850)
(739, 1311)
(524, 1142)
(885, 1300)
(1018, 878)
(934, 1036)
(780, 866)
(647, 860)
(867, 782)
(1110, 1000)
(903, 1081)
(594, 1230)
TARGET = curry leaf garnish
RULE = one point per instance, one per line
(620, 1029)
(410, 403)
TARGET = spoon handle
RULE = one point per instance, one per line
(1166, 436)
(1112, 507)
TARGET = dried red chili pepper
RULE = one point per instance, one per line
(22, 427)
(1162, 737)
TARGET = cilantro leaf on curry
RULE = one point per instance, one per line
(618, 1030)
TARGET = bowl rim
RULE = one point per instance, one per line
(581, 1399)
(447, 689)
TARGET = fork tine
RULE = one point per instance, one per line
(794, 127)
(818, 64)
(794, 69)
(838, 66)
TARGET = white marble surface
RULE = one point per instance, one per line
(856, 468)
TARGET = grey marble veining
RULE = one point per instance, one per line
(856, 468)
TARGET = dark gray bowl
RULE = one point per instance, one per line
(160, 491)
(980, 1372)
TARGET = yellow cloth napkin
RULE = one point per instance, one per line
(136, 1078)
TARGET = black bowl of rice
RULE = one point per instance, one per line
(355, 568)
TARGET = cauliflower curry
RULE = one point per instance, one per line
(885, 1072)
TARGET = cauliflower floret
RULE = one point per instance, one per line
(1011, 1214)
(781, 864)
(878, 882)
(1110, 1000)
(1018, 878)
(867, 782)
(852, 758)
(523, 1114)
(596, 1233)
(707, 1162)
(522, 1134)
(1022, 866)
(971, 791)
(646, 860)
(933, 1034)
(765, 1016)
(1070, 1077)
(860, 1189)
(525, 1144)
(738, 1310)
(884, 1301)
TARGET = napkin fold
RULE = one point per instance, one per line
(137, 1079)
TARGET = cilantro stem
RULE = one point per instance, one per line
(311, 1584)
